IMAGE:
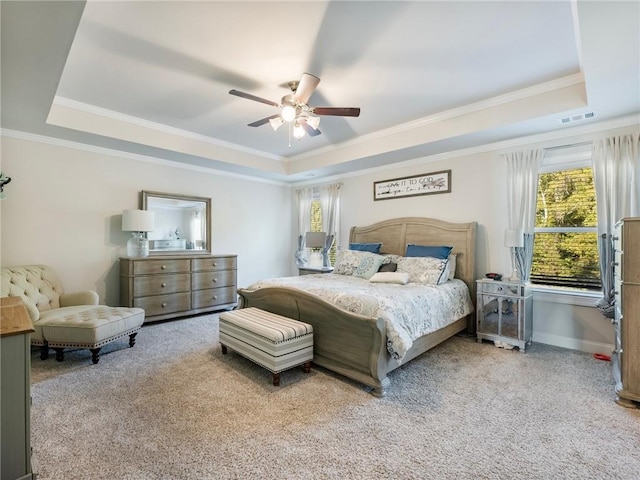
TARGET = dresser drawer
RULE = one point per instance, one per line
(213, 296)
(208, 264)
(162, 304)
(161, 284)
(151, 267)
(202, 280)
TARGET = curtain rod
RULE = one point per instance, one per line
(571, 145)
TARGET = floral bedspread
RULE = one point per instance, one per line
(409, 311)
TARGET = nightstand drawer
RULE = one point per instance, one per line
(501, 288)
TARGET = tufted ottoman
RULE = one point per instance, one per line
(89, 327)
(67, 320)
(272, 341)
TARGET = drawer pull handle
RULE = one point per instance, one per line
(163, 267)
(215, 280)
(163, 285)
(164, 305)
(215, 297)
(215, 264)
(614, 263)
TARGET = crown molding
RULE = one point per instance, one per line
(57, 142)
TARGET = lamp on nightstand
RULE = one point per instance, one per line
(513, 238)
(138, 222)
(315, 241)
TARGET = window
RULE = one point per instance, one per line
(565, 251)
(316, 226)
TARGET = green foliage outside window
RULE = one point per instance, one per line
(566, 245)
(316, 226)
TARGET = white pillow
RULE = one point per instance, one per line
(368, 267)
(425, 270)
(400, 278)
(347, 261)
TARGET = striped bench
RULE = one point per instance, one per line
(272, 341)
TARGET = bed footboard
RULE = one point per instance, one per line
(346, 343)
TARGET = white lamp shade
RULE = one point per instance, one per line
(514, 237)
(137, 221)
(315, 239)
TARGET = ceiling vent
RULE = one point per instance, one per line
(577, 118)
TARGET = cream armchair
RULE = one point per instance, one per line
(74, 320)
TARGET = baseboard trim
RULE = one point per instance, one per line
(572, 343)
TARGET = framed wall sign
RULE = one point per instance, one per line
(425, 184)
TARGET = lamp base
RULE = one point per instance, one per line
(514, 276)
(315, 260)
(137, 245)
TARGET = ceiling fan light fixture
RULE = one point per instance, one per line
(313, 121)
(298, 131)
(276, 123)
(288, 113)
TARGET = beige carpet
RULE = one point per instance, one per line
(174, 407)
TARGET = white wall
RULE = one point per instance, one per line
(63, 208)
(478, 194)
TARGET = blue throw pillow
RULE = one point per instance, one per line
(366, 247)
(428, 251)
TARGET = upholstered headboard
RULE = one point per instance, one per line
(396, 233)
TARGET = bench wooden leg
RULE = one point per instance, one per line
(95, 355)
(276, 379)
(307, 367)
(44, 352)
(132, 339)
(59, 354)
(224, 349)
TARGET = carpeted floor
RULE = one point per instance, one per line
(174, 407)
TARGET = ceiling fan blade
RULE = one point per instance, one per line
(306, 87)
(248, 96)
(262, 121)
(337, 111)
(312, 132)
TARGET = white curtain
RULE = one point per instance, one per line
(616, 172)
(303, 197)
(197, 229)
(330, 205)
(522, 189)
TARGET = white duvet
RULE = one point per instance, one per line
(409, 311)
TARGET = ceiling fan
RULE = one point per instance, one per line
(295, 110)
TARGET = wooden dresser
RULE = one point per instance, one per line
(626, 354)
(171, 286)
(15, 416)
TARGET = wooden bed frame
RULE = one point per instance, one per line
(355, 345)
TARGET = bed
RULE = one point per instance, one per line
(356, 345)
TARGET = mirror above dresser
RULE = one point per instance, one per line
(182, 223)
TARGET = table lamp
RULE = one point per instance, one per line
(315, 240)
(138, 222)
(514, 237)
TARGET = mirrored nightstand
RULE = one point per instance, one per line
(504, 312)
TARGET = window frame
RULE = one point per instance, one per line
(558, 159)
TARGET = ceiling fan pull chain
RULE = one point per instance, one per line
(290, 128)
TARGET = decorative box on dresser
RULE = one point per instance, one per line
(15, 416)
(626, 353)
(171, 286)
